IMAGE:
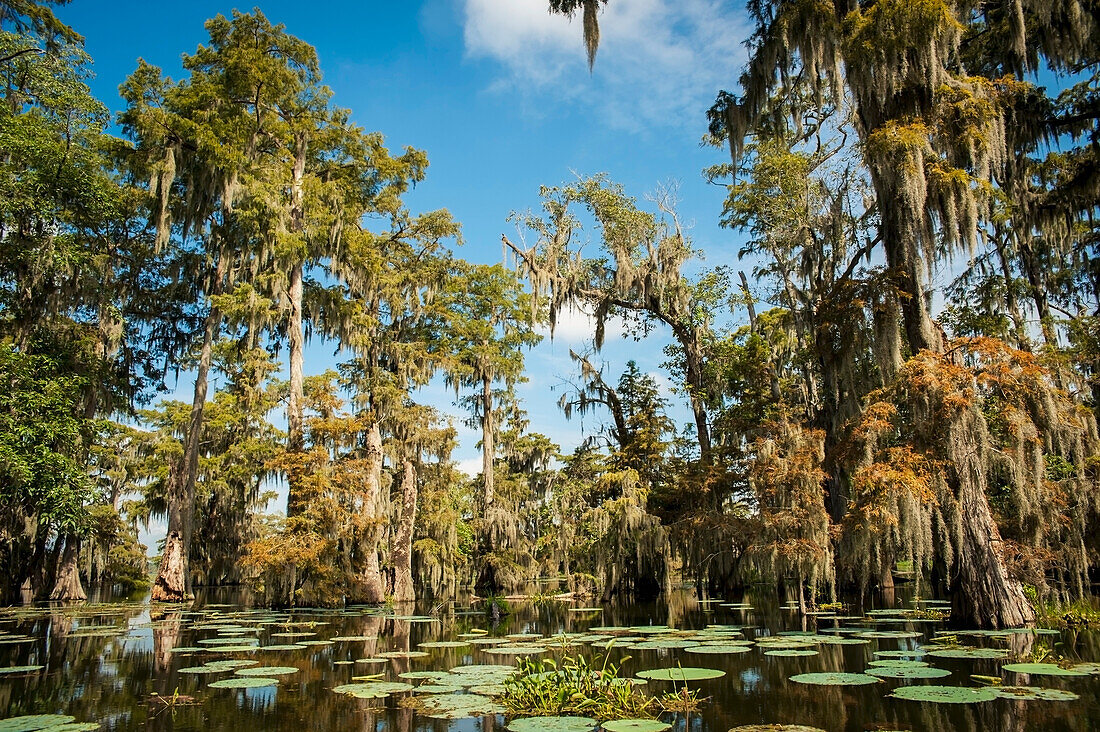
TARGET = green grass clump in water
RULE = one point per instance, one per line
(546, 688)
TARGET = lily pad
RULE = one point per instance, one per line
(552, 724)
(404, 654)
(516, 650)
(722, 650)
(19, 669)
(897, 663)
(651, 645)
(243, 682)
(687, 673)
(1088, 668)
(890, 634)
(268, 671)
(457, 706)
(488, 689)
(32, 722)
(636, 725)
(945, 694)
(373, 689)
(481, 668)
(1042, 669)
(430, 675)
(1030, 693)
(438, 689)
(443, 644)
(791, 652)
(916, 672)
(899, 654)
(204, 669)
(968, 653)
(831, 678)
(230, 664)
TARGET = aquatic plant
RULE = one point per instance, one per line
(546, 687)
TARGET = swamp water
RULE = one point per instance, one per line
(217, 666)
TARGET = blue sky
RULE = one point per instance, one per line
(498, 94)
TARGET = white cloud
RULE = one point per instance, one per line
(575, 327)
(470, 466)
(660, 62)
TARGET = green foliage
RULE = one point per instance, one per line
(43, 439)
(576, 686)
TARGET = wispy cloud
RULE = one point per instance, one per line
(660, 63)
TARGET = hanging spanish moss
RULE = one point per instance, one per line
(792, 543)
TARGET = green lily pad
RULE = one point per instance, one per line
(243, 682)
(846, 642)
(204, 669)
(1030, 693)
(831, 678)
(897, 663)
(687, 673)
(516, 650)
(430, 675)
(372, 660)
(1042, 669)
(720, 650)
(636, 725)
(482, 668)
(372, 689)
(457, 706)
(916, 672)
(434, 688)
(268, 671)
(651, 645)
(19, 669)
(33, 722)
(791, 652)
(353, 638)
(890, 634)
(1088, 668)
(404, 654)
(488, 689)
(552, 724)
(284, 647)
(968, 653)
(443, 644)
(899, 654)
(945, 694)
(233, 649)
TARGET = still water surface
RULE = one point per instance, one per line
(107, 663)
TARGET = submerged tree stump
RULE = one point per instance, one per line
(171, 582)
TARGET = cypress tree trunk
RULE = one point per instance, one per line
(403, 590)
(488, 435)
(373, 588)
(173, 581)
(68, 587)
(295, 333)
(983, 595)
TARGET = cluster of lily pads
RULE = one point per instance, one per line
(238, 649)
(46, 723)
